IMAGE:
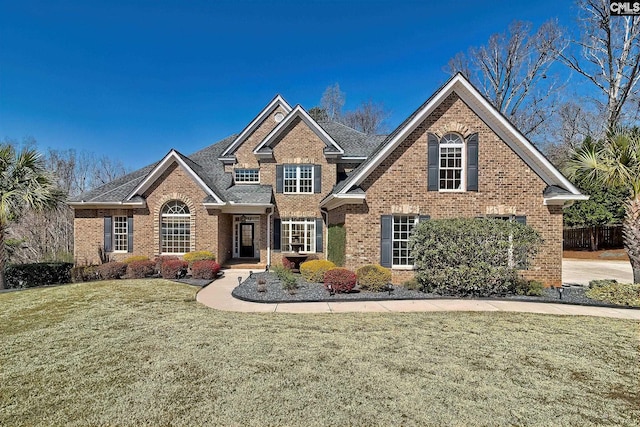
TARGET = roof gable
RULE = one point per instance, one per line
(489, 114)
(276, 102)
(332, 147)
(187, 164)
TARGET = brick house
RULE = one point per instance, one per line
(274, 189)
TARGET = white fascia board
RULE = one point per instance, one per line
(298, 111)
(561, 200)
(246, 208)
(277, 101)
(337, 200)
(521, 146)
(162, 166)
(105, 205)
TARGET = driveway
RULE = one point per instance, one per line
(581, 271)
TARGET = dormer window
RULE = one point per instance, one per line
(247, 176)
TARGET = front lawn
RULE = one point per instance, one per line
(145, 353)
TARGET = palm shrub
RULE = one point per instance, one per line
(313, 271)
(25, 184)
(471, 256)
(614, 163)
(373, 277)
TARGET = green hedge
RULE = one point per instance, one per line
(19, 276)
(337, 241)
(472, 256)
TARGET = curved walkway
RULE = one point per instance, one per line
(218, 296)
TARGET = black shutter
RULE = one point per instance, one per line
(276, 234)
(318, 234)
(386, 246)
(130, 234)
(432, 142)
(108, 233)
(317, 178)
(521, 219)
(279, 178)
(472, 162)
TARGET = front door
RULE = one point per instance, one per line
(246, 240)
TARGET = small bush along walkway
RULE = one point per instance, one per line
(267, 287)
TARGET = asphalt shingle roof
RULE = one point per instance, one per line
(206, 164)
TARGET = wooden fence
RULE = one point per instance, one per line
(605, 237)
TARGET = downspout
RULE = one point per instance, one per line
(325, 213)
(271, 210)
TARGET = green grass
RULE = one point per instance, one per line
(145, 353)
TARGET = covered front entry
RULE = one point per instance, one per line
(246, 232)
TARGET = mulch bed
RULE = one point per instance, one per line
(316, 292)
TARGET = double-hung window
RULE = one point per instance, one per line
(451, 154)
(298, 179)
(298, 231)
(402, 229)
(120, 234)
(247, 176)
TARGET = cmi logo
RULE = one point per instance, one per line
(624, 8)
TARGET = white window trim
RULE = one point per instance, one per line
(298, 179)
(163, 215)
(307, 222)
(416, 220)
(126, 234)
(235, 176)
(463, 160)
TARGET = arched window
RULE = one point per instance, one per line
(451, 163)
(175, 228)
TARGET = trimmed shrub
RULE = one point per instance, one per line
(337, 244)
(84, 273)
(602, 282)
(340, 279)
(472, 256)
(313, 271)
(373, 277)
(532, 288)
(135, 258)
(617, 293)
(288, 264)
(205, 269)
(174, 269)
(112, 270)
(192, 257)
(412, 284)
(161, 259)
(141, 269)
(19, 276)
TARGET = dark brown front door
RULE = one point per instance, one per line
(246, 240)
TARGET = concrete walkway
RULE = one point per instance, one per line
(218, 296)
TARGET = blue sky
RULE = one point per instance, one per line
(134, 79)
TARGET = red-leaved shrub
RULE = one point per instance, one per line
(205, 269)
(340, 279)
(141, 269)
(112, 270)
(173, 268)
(288, 264)
(162, 259)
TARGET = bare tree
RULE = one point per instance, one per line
(332, 101)
(607, 53)
(513, 72)
(368, 118)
